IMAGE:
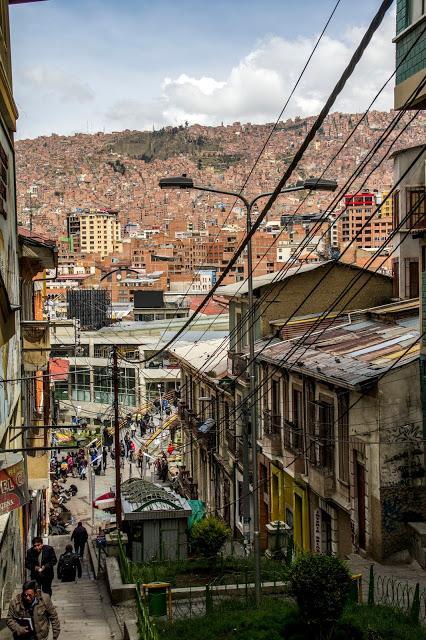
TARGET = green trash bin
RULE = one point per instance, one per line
(157, 599)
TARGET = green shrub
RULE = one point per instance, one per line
(208, 536)
(382, 623)
(320, 585)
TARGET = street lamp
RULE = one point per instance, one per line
(311, 184)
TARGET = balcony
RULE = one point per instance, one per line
(322, 480)
(230, 439)
(35, 344)
(321, 473)
(271, 442)
(237, 365)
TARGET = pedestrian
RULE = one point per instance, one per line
(80, 536)
(64, 469)
(70, 462)
(83, 469)
(104, 457)
(31, 613)
(133, 429)
(69, 565)
(142, 426)
(127, 441)
(140, 458)
(132, 451)
(39, 561)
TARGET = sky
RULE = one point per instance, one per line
(102, 65)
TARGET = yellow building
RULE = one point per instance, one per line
(289, 502)
(95, 231)
(386, 207)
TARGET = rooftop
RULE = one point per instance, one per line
(356, 352)
(149, 500)
(241, 288)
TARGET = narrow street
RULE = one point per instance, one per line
(82, 608)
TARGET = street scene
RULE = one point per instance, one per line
(212, 320)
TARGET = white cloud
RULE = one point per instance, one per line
(257, 87)
(56, 83)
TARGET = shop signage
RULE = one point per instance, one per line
(317, 530)
(13, 484)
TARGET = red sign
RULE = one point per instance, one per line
(13, 487)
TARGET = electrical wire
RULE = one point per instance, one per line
(375, 23)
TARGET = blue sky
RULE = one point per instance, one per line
(93, 65)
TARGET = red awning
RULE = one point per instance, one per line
(59, 369)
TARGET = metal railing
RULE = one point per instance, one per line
(389, 591)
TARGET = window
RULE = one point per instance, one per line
(416, 208)
(323, 449)
(343, 427)
(416, 10)
(80, 384)
(102, 385)
(293, 430)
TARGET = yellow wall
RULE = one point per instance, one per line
(286, 494)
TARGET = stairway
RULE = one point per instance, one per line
(80, 605)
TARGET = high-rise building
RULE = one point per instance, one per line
(97, 231)
(360, 217)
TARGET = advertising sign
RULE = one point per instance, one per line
(13, 484)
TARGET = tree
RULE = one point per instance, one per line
(208, 536)
(320, 584)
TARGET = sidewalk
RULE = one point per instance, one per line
(409, 574)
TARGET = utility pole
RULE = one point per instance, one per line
(253, 409)
(116, 437)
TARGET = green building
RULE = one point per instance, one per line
(410, 43)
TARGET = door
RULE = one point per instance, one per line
(414, 279)
(298, 521)
(360, 485)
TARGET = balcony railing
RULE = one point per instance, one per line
(293, 437)
(271, 423)
(237, 365)
(35, 343)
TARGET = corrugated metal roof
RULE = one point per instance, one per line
(349, 354)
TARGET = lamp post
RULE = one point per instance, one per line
(312, 184)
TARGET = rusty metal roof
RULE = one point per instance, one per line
(351, 354)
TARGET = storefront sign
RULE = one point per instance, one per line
(317, 530)
(13, 485)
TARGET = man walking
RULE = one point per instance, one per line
(39, 561)
(69, 565)
(80, 536)
(31, 613)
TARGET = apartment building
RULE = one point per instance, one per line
(338, 432)
(95, 231)
(362, 224)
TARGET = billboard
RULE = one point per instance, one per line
(13, 484)
(148, 300)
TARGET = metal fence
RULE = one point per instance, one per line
(389, 591)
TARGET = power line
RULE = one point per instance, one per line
(296, 159)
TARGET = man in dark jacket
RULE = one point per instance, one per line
(39, 561)
(31, 613)
(69, 565)
(80, 536)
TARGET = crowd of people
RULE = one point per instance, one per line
(74, 465)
